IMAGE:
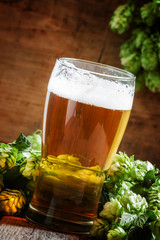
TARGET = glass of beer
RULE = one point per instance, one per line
(86, 112)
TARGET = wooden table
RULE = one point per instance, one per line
(17, 228)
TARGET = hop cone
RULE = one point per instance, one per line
(11, 202)
(8, 156)
(1, 183)
(116, 234)
(154, 197)
(29, 167)
(99, 229)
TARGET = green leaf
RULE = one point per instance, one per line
(133, 219)
(151, 215)
(127, 219)
(150, 176)
(22, 142)
(140, 220)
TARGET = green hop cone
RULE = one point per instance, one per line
(116, 234)
(149, 55)
(111, 209)
(1, 183)
(152, 80)
(29, 167)
(12, 202)
(35, 140)
(140, 168)
(132, 63)
(122, 17)
(100, 228)
(121, 168)
(148, 15)
(8, 156)
(154, 196)
(132, 203)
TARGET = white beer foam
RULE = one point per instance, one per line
(90, 89)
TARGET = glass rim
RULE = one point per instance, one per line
(128, 76)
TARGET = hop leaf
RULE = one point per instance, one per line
(129, 219)
(12, 202)
(8, 156)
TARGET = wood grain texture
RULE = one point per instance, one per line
(32, 35)
(14, 228)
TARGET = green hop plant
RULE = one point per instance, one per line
(152, 80)
(8, 156)
(140, 168)
(132, 202)
(154, 196)
(147, 12)
(29, 167)
(111, 210)
(121, 167)
(149, 56)
(121, 24)
(117, 233)
(132, 63)
(100, 228)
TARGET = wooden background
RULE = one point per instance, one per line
(33, 33)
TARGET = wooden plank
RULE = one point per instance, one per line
(32, 35)
(15, 228)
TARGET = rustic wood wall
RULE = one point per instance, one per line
(32, 35)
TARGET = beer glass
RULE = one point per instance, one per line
(86, 112)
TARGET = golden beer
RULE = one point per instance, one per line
(85, 117)
(82, 130)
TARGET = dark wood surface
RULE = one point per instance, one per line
(32, 35)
